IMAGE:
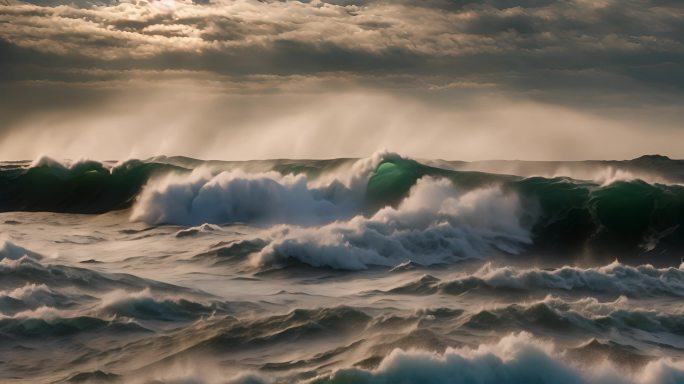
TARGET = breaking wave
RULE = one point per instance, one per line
(239, 197)
(364, 208)
(627, 219)
(434, 225)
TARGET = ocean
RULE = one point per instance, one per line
(384, 269)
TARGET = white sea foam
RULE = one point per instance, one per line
(434, 224)
(203, 196)
(236, 196)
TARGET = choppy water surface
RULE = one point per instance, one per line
(378, 270)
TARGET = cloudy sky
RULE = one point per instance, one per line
(244, 79)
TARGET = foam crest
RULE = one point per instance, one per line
(198, 230)
(235, 197)
(355, 176)
(435, 224)
(43, 312)
(607, 175)
(64, 166)
(615, 278)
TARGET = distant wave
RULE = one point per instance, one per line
(80, 187)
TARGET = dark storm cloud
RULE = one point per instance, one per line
(535, 47)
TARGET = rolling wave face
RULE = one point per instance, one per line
(623, 218)
(11, 251)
